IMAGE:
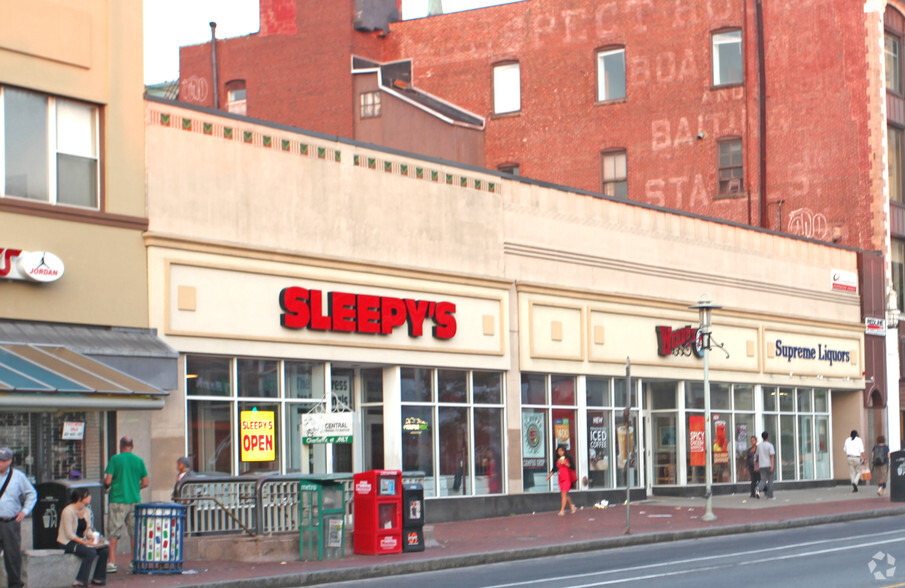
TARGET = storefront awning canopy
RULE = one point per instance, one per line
(54, 376)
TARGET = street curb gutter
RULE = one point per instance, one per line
(380, 570)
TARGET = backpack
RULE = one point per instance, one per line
(881, 454)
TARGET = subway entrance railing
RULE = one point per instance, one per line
(254, 506)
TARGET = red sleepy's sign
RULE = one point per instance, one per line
(343, 312)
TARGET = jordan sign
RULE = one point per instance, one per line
(30, 266)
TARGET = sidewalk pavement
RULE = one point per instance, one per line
(543, 534)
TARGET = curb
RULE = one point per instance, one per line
(457, 561)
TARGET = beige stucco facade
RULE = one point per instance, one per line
(543, 280)
(90, 52)
(81, 61)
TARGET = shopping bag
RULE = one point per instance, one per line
(865, 473)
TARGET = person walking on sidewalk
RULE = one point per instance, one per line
(126, 477)
(753, 467)
(766, 460)
(567, 476)
(854, 455)
(880, 456)
(17, 499)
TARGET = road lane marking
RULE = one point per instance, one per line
(746, 552)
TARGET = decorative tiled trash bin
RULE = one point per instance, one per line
(159, 529)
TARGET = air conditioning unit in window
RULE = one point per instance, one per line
(734, 186)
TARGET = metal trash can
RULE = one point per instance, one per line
(412, 517)
(52, 499)
(159, 531)
(896, 479)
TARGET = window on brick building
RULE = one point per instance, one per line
(730, 167)
(236, 97)
(898, 271)
(611, 74)
(48, 149)
(370, 104)
(509, 168)
(507, 94)
(727, 58)
(613, 173)
(893, 64)
(895, 153)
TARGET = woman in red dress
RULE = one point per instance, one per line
(566, 469)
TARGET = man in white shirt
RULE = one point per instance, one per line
(854, 455)
(766, 461)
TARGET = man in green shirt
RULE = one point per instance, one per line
(126, 476)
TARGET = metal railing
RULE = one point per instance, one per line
(264, 505)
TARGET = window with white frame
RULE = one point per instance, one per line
(613, 171)
(892, 46)
(506, 88)
(48, 148)
(370, 104)
(452, 430)
(236, 97)
(727, 58)
(611, 74)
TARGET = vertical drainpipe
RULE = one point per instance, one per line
(216, 89)
(762, 114)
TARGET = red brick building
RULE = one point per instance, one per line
(783, 115)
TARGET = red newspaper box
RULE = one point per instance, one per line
(378, 512)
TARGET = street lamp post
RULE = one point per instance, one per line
(705, 307)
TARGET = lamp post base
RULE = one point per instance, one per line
(708, 510)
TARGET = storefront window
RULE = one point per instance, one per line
(417, 446)
(372, 418)
(744, 430)
(534, 448)
(786, 449)
(598, 392)
(207, 376)
(487, 387)
(664, 448)
(743, 397)
(488, 425)
(455, 479)
(804, 399)
(467, 439)
(822, 459)
(210, 437)
(416, 385)
(257, 378)
(304, 381)
(599, 429)
(563, 390)
(258, 467)
(786, 399)
(301, 459)
(452, 386)
(769, 397)
(534, 389)
(720, 396)
(806, 447)
(51, 446)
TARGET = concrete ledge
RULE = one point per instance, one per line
(46, 568)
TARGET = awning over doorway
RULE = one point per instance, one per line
(42, 377)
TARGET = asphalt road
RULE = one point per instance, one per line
(844, 555)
